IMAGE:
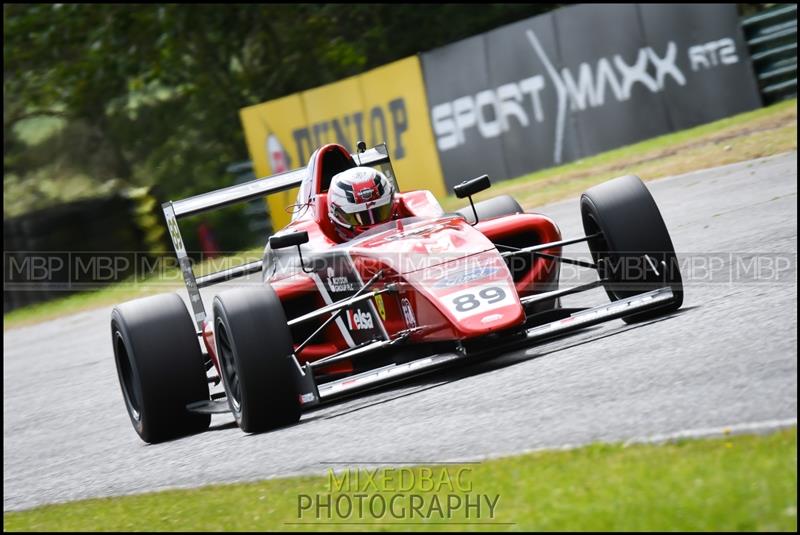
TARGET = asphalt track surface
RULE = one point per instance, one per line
(727, 357)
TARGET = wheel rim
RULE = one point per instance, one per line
(227, 360)
(126, 377)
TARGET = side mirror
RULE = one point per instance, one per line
(471, 187)
(468, 188)
(361, 146)
(288, 240)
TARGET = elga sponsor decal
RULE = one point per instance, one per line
(466, 276)
(339, 283)
(358, 320)
(338, 280)
(408, 313)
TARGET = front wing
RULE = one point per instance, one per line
(311, 394)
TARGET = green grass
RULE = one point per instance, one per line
(763, 132)
(732, 483)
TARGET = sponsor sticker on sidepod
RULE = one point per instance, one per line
(408, 313)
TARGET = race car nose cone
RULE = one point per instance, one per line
(491, 318)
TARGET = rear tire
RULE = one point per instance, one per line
(254, 348)
(499, 206)
(624, 211)
(159, 366)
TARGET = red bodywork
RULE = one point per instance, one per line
(440, 262)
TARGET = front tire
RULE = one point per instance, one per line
(634, 251)
(159, 366)
(254, 346)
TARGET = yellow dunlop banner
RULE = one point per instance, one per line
(387, 104)
(268, 132)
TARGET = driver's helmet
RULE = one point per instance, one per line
(358, 199)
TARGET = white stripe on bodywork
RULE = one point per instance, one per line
(327, 298)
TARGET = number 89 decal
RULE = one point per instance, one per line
(477, 300)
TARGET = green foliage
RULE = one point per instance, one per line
(150, 93)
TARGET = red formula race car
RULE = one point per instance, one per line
(332, 317)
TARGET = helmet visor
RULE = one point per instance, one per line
(370, 216)
(375, 215)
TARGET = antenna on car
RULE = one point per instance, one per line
(360, 147)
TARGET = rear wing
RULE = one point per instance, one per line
(205, 202)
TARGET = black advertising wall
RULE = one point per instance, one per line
(716, 64)
(460, 71)
(614, 99)
(522, 55)
(581, 80)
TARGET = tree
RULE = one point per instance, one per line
(158, 87)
